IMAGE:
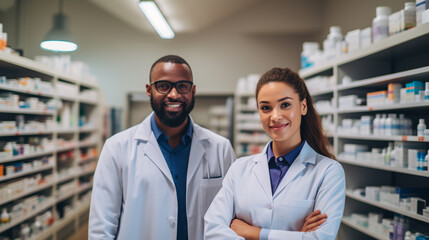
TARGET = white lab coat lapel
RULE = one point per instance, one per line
(307, 155)
(197, 152)
(151, 148)
(262, 172)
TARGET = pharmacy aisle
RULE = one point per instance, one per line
(377, 116)
(49, 143)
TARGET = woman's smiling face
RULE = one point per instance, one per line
(280, 111)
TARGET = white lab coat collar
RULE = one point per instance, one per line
(306, 156)
(199, 141)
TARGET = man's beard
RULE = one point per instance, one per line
(174, 119)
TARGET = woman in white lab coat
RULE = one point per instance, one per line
(270, 194)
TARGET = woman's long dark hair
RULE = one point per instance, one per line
(311, 126)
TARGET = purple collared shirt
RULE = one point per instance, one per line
(279, 166)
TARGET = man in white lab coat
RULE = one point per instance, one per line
(157, 179)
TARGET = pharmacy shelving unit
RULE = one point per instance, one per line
(221, 118)
(71, 157)
(401, 58)
(249, 135)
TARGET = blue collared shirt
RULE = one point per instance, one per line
(278, 168)
(177, 161)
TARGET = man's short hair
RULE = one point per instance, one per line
(170, 59)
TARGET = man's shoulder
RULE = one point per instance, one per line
(124, 135)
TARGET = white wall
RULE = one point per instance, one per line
(120, 56)
(352, 14)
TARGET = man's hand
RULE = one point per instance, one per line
(242, 229)
(313, 221)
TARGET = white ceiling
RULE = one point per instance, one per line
(182, 15)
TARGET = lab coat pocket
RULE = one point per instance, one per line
(292, 213)
(208, 190)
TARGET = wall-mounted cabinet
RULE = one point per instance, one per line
(378, 156)
(50, 137)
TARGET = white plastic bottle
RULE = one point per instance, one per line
(388, 125)
(409, 15)
(37, 226)
(383, 124)
(409, 126)
(425, 163)
(407, 235)
(421, 127)
(308, 54)
(5, 217)
(395, 125)
(376, 125)
(427, 91)
(332, 42)
(25, 231)
(380, 24)
(402, 124)
(388, 154)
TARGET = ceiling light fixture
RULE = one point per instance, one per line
(59, 38)
(155, 17)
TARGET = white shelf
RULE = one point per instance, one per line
(246, 108)
(25, 63)
(324, 92)
(87, 101)
(362, 229)
(86, 172)
(28, 67)
(66, 178)
(26, 156)
(67, 131)
(63, 149)
(30, 214)
(59, 224)
(88, 85)
(385, 79)
(385, 44)
(84, 188)
(65, 196)
(86, 160)
(321, 113)
(386, 168)
(397, 59)
(87, 144)
(383, 138)
(245, 94)
(25, 133)
(23, 173)
(307, 72)
(67, 98)
(87, 129)
(26, 111)
(385, 107)
(40, 188)
(29, 92)
(388, 207)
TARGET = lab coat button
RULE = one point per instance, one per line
(172, 221)
(270, 207)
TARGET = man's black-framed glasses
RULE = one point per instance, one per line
(164, 87)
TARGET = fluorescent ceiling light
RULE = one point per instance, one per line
(59, 38)
(156, 18)
(59, 46)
